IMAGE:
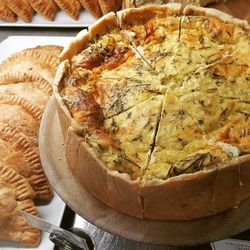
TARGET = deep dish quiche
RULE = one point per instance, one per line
(154, 107)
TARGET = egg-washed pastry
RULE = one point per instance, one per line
(22, 8)
(12, 225)
(45, 8)
(71, 7)
(110, 5)
(32, 60)
(155, 102)
(93, 7)
(18, 154)
(139, 3)
(51, 50)
(16, 194)
(28, 85)
(23, 114)
(6, 13)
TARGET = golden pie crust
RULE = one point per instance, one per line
(16, 194)
(180, 196)
(71, 7)
(6, 13)
(16, 153)
(32, 60)
(93, 7)
(28, 85)
(47, 8)
(22, 8)
(12, 225)
(110, 5)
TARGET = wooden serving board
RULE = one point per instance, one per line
(173, 233)
(236, 8)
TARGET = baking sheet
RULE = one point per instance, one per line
(52, 211)
(61, 20)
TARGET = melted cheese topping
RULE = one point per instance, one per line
(166, 97)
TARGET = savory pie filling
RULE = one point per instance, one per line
(163, 98)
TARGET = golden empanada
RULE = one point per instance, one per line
(32, 60)
(45, 8)
(6, 13)
(22, 114)
(71, 7)
(22, 8)
(20, 185)
(93, 7)
(27, 85)
(110, 5)
(12, 225)
(52, 50)
(16, 153)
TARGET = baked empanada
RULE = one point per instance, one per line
(110, 5)
(32, 60)
(6, 13)
(93, 7)
(22, 114)
(28, 85)
(16, 153)
(45, 8)
(71, 7)
(12, 225)
(51, 50)
(20, 185)
(22, 8)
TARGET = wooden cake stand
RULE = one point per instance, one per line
(179, 233)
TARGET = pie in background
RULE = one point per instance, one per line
(45, 8)
(110, 5)
(21, 8)
(93, 7)
(6, 13)
(71, 7)
(154, 109)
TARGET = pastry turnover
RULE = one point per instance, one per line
(18, 154)
(22, 8)
(93, 7)
(16, 194)
(71, 7)
(23, 114)
(45, 8)
(28, 85)
(110, 5)
(6, 13)
(12, 225)
(32, 60)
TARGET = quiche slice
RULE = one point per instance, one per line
(135, 129)
(192, 61)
